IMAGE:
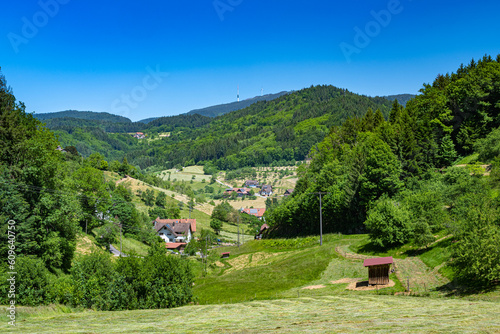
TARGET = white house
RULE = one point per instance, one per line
(175, 230)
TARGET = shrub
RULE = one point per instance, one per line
(388, 223)
(31, 282)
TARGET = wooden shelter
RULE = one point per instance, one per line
(378, 270)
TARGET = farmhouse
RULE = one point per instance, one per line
(139, 135)
(267, 190)
(254, 212)
(239, 191)
(263, 228)
(378, 270)
(252, 184)
(288, 192)
(176, 232)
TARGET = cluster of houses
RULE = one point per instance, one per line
(139, 135)
(265, 190)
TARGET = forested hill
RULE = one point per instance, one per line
(222, 109)
(278, 131)
(87, 115)
(402, 98)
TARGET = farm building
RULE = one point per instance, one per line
(240, 191)
(263, 228)
(267, 190)
(252, 184)
(175, 230)
(255, 212)
(378, 270)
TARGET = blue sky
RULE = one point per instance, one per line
(157, 58)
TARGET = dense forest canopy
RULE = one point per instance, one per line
(88, 115)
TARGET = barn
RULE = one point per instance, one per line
(378, 270)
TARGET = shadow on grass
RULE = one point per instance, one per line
(442, 244)
(376, 250)
(462, 288)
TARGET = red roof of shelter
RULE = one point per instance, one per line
(378, 261)
(174, 245)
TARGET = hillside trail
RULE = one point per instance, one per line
(410, 271)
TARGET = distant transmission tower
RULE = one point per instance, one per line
(238, 96)
(262, 92)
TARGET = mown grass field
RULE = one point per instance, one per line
(325, 314)
(289, 286)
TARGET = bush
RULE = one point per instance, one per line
(32, 282)
(388, 223)
(477, 255)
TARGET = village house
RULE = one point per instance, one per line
(252, 184)
(259, 213)
(239, 191)
(176, 232)
(139, 135)
(267, 190)
(288, 192)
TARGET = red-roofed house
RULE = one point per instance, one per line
(179, 246)
(254, 212)
(378, 270)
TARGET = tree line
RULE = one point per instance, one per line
(394, 179)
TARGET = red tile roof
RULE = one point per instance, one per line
(264, 227)
(378, 261)
(254, 212)
(174, 245)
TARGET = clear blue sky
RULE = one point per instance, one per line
(91, 55)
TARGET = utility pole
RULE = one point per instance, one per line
(120, 239)
(238, 219)
(320, 216)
